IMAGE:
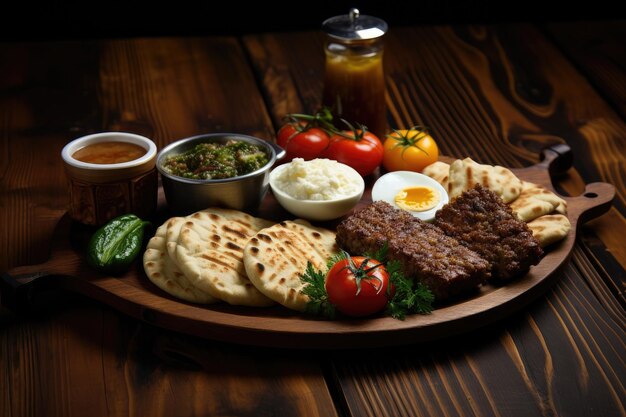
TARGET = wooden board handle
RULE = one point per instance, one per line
(29, 293)
(557, 159)
(597, 197)
(594, 201)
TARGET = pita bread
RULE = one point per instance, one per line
(277, 256)
(466, 173)
(561, 208)
(528, 201)
(234, 216)
(174, 224)
(536, 201)
(209, 251)
(172, 227)
(439, 171)
(164, 273)
(550, 228)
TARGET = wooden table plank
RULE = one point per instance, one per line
(559, 357)
(88, 357)
(91, 358)
(596, 48)
(487, 92)
(497, 94)
(290, 69)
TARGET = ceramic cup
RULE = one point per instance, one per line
(100, 192)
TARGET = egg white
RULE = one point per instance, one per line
(390, 184)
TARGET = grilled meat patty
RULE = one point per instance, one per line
(481, 221)
(426, 253)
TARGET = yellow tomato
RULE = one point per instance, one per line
(409, 150)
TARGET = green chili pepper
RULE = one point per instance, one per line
(116, 244)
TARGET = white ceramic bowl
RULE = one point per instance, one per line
(317, 210)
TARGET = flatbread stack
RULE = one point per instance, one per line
(165, 274)
(536, 201)
(221, 255)
(463, 174)
(199, 258)
(543, 211)
(277, 256)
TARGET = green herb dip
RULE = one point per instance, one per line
(207, 161)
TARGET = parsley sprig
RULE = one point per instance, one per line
(314, 288)
(411, 297)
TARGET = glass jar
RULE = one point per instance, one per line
(354, 82)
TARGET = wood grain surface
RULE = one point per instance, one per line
(596, 49)
(495, 93)
(498, 94)
(164, 89)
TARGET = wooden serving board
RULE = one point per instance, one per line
(135, 295)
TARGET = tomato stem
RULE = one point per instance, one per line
(323, 119)
(357, 133)
(409, 137)
(361, 272)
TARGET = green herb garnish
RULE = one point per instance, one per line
(410, 297)
(314, 288)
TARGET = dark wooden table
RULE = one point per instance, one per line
(495, 93)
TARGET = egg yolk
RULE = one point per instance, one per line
(418, 198)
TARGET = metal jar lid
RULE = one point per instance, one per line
(354, 26)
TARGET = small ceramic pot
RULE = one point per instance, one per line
(100, 192)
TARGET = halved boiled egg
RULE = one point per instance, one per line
(416, 193)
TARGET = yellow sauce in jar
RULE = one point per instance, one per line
(354, 87)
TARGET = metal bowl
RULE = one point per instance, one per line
(244, 192)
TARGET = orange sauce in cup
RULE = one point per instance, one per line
(109, 153)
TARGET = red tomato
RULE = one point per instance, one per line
(300, 141)
(357, 288)
(363, 152)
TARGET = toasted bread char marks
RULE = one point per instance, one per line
(277, 256)
(465, 174)
(550, 228)
(209, 252)
(425, 252)
(440, 172)
(164, 273)
(235, 217)
(536, 201)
